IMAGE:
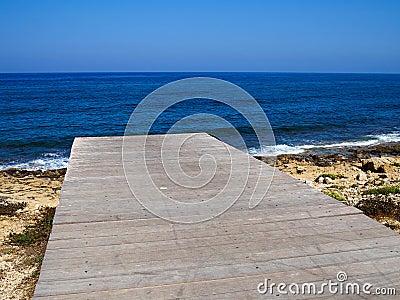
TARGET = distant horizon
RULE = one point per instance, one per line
(271, 72)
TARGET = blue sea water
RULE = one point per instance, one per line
(40, 114)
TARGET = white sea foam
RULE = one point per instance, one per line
(49, 161)
(287, 149)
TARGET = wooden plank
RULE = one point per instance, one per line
(151, 231)
(290, 274)
(75, 267)
(147, 234)
(246, 286)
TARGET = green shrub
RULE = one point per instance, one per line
(332, 176)
(334, 195)
(36, 233)
(386, 190)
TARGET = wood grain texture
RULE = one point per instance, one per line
(106, 245)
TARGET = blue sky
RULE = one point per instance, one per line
(281, 35)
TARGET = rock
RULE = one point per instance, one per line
(374, 164)
(387, 168)
(308, 182)
(328, 180)
(300, 169)
(361, 177)
(320, 179)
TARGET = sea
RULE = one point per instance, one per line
(42, 113)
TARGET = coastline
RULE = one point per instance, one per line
(357, 176)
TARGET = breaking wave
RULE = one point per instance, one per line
(370, 140)
(48, 161)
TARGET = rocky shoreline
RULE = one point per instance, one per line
(367, 178)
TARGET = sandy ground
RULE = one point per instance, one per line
(28, 199)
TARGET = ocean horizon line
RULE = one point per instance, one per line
(206, 72)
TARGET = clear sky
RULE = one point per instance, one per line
(202, 35)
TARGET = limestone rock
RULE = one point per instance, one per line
(308, 182)
(361, 176)
(300, 169)
(374, 164)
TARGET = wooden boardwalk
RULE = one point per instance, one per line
(105, 245)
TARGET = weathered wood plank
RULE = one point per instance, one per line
(74, 268)
(94, 233)
(312, 272)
